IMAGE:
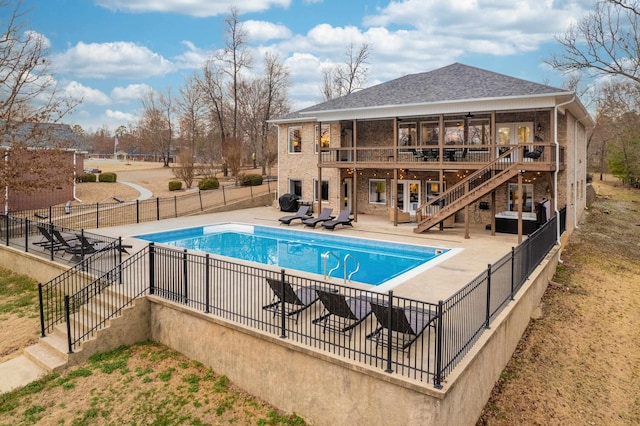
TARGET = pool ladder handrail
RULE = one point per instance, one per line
(344, 262)
(325, 258)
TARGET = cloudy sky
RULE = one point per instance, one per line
(110, 51)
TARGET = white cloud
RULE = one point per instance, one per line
(88, 95)
(114, 59)
(120, 117)
(132, 92)
(194, 57)
(199, 8)
(263, 31)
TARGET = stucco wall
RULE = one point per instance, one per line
(334, 391)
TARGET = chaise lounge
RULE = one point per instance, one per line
(342, 219)
(302, 213)
(324, 215)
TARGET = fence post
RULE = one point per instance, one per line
(40, 301)
(26, 235)
(120, 248)
(50, 214)
(200, 197)
(157, 208)
(513, 266)
(51, 241)
(6, 220)
(437, 377)
(185, 276)
(67, 317)
(389, 328)
(137, 211)
(207, 280)
(283, 317)
(175, 205)
(224, 197)
(97, 215)
(251, 188)
(268, 184)
(488, 312)
(151, 268)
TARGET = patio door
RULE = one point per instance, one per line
(510, 134)
(408, 195)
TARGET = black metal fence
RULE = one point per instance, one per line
(117, 213)
(416, 339)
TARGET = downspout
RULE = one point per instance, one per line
(555, 173)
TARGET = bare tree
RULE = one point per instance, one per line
(605, 42)
(236, 56)
(190, 109)
(186, 169)
(340, 80)
(211, 86)
(157, 122)
(275, 84)
(30, 105)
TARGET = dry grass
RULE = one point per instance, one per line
(580, 363)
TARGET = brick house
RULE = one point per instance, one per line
(50, 154)
(457, 143)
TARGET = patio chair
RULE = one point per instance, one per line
(342, 219)
(71, 244)
(324, 215)
(302, 213)
(407, 324)
(535, 154)
(101, 245)
(48, 241)
(341, 313)
(295, 301)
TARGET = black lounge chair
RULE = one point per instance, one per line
(102, 245)
(48, 241)
(342, 219)
(295, 301)
(341, 313)
(324, 215)
(302, 213)
(535, 154)
(407, 324)
(73, 245)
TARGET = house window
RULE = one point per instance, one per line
(407, 134)
(295, 139)
(324, 190)
(454, 132)
(527, 195)
(295, 187)
(478, 133)
(325, 137)
(429, 133)
(377, 191)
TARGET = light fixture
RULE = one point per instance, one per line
(469, 116)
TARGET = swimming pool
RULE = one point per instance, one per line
(379, 261)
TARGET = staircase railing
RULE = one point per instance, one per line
(446, 202)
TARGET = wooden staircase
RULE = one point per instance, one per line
(468, 190)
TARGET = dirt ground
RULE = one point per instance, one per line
(579, 363)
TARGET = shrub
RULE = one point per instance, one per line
(87, 177)
(107, 177)
(252, 180)
(209, 183)
(175, 185)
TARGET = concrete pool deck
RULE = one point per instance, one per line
(437, 283)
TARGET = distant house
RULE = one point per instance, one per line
(41, 161)
(450, 144)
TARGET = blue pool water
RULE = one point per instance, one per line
(379, 261)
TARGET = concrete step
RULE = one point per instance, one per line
(46, 357)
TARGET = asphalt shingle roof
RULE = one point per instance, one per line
(41, 135)
(454, 82)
